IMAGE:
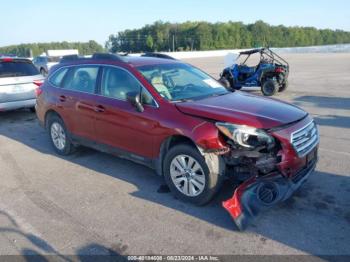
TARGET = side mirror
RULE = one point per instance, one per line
(134, 99)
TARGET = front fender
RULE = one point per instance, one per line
(206, 135)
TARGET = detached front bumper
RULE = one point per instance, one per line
(260, 193)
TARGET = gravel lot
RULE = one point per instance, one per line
(93, 203)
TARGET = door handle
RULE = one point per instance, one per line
(62, 98)
(99, 109)
(85, 106)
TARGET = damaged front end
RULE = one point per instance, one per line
(267, 164)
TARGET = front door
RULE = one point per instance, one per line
(119, 124)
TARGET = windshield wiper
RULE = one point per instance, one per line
(219, 94)
(182, 100)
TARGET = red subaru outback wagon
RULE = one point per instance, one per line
(178, 120)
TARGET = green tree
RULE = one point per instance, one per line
(39, 48)
(149, 42)
(162, 36)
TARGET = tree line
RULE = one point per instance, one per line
(35, 49)
(189, 36)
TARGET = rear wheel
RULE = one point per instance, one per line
(59, 137)
(284, 86)
(188, 175)
(269, 87)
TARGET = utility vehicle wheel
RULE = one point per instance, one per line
(233, 84)
(269, 87)
(223, 80)
(59, 136)
(43, 72)
(284, 86)
(188, 175)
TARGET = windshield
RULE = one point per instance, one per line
(54, 59)
(181, 82)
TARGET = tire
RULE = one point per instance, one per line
(284, 86)
(43, 72)
(269, 87)
(207, 181)
(59, 137)
(229, 83)
(224, 82)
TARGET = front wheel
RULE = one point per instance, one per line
(269, 87)
(43, 72)
(188, 176)
(223, 80)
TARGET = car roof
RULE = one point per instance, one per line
(131, 60)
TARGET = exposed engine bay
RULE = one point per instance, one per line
(257, 160)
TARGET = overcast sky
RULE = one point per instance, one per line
(26, 21)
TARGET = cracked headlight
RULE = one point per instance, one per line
(246, 136)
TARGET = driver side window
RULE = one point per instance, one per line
(117, 82)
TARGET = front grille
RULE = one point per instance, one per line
(305, 139)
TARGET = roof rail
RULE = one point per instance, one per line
(158, 55)
(106, 56)
(96, 56)
(67, 58)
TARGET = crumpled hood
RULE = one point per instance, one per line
(245, 109)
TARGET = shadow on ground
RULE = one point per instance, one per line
(38, 249)
(339, 103)
(324, 101)
(310, 214)
(333, 120)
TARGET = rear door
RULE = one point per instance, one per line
(17, 80)
(75, 100)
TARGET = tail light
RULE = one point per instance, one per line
(279, 70)
(38, 82)
(38, 90)
(7, 59)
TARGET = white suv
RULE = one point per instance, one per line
(19, 79)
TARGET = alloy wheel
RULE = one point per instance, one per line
(58, 135)
(187, 175)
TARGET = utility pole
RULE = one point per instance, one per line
(173, 42)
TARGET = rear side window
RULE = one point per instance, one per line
(58, 76)
(81, 78)
(17, 68)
